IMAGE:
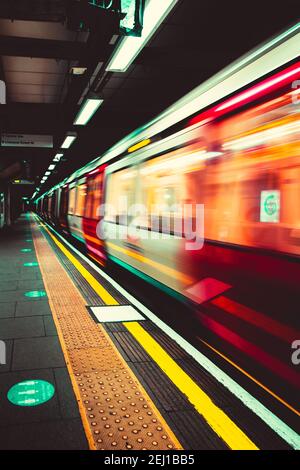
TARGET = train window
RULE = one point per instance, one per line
(121, 194)
(49, 205)
(72, 201)
(63, 202)
(89, 200)
(80, 202)
(164, 180)
(53, 203)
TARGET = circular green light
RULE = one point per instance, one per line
(271, 205)
(35, 293)
(26, 250)
(29, 265)
(30, 393)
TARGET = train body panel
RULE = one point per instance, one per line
(231, 182)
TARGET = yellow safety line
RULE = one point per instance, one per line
(154, 264)
(251, 378)
(101, 291)
(224, 427)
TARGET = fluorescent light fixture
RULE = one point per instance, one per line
(70, 137)
(48, 173)
(130, 47)
(256, 64)
(78, 70)
(51, 167)
(57, 157)
(87, 110)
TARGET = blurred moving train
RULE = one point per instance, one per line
(239, 157)
(2, 210)
(233, 146)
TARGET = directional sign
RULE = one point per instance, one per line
(22, 182)
(30, 393)
(270, 206)
(26, 140)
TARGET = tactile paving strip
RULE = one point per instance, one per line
(116, 411)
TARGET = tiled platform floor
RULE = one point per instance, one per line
(33, 352)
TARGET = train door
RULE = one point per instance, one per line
(77, 197)
(63, 209)
(93, 214)
(2, 210)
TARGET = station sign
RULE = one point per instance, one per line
(22, 182)
(26, 140)
(270, 206)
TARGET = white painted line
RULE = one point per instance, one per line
(275, 423)
(116, 313)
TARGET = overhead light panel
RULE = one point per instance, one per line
(57, 157)
(130, 47)
(48, 173)
(51, 167)
(78, 70)
(87, 110)
(70, 137)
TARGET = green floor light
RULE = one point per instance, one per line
(35, 293)
(30, 265)
(26, 250)
(30, 393)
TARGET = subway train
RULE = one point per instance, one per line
(204, 203)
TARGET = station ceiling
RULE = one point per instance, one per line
(38, 48)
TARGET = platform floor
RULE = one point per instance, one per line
(122, 384)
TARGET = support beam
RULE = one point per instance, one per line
(43, 48)
(39, 10)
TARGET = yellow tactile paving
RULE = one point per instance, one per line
(116, 411)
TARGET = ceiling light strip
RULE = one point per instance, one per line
(130, 47)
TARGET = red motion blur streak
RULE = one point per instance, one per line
(273, 364)
(264, 322)
(280, 80)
